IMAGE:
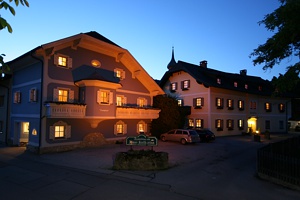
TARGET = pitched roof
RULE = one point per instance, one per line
(208, 77)
(98, 36)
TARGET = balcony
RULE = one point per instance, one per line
(137, 112)
(65, 110)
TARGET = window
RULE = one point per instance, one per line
(173, 87)
(241, 105)
(1, 127)
(240, 124)
(180, 102)
(17, 97)
(119, 73)
(185, 85)
(267, 124)
(1, 101)
(191, 123)
(199, 123)
(141, 102)
(268, 107)
(32, 95)
(62, 61)
(218, 80)
(260, 88)
(219, 124)
(219, 103)
(230, 123)
(246, 86)
(63, 95)
(198, 102)
(120, 128)
(230, 104)
(281, 107)
(104, 97)
(252, 105)
(281, 123)
(60, 130)
(235, 84)
(141, 127)
(121, 100)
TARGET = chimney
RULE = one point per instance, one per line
(243, 72)
(203, 64)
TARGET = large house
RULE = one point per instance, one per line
(225, 103)
(67, 91)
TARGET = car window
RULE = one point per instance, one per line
(185, 132)
(193, 133)
(171, 132)
(178, 132)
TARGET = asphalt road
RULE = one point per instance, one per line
(224, 169)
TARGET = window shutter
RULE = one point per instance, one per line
(202, 101)
(111, 100)
(115, 129)
(55, 59)
(30, 99)
(70, 62)
(71, 96)
(55, 94)
(194, 102)
(145, 128)
(182, 85)
(68, 132)
(52, 133)
(34, 95)
(125, 100)
(125, 128)
(122, 75)
(98, 96)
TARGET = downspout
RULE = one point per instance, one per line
(41, 93)
(7, 114)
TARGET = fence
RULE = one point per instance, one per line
(280, 162)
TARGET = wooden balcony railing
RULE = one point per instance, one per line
(68, 110)
(125, 112)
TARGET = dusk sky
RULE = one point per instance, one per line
(223, 32)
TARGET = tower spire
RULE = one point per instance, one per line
(172, 62)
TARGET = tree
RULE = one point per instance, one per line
(4, 24)
(170, 116)
(285, 20)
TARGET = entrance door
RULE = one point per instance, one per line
(252, 125)
(24, 133)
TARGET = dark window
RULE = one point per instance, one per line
(267, 124)
(230, 124)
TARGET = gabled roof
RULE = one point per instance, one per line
(208, 77)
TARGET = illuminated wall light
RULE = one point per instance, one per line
(95, 63)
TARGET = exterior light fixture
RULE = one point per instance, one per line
(95, 63)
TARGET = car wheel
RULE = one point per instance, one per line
(183, 141)
(163, 138)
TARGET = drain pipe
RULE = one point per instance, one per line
(41, 94)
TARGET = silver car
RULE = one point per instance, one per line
(181, 135)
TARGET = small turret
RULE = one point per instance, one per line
(172, 62)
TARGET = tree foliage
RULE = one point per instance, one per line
(285, 21)
(170, 116)
(4, 24)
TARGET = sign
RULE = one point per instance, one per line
(141, 140)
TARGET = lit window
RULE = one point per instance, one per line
(268, 107)
(185, 85)
(62, 61)
(199, 123)
(281, 107)
(230, 124)
(59, 131)
(104, 97)
(173, 87)
(230, 104)
(17, 97)
(141, 127)
(63, 95)
(180, 102)
(32, 95)
(219, 124)
(119, 73)
(191, 123)
(219, 103)
(241, 105)
(241, 124)
(218, 80)
(246, 86)
(235, 84)
(120, 128)
(198, 102)
(252, 105)
(121, 100)
(141, 102)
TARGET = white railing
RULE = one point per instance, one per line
(137, 113)
(55, 110)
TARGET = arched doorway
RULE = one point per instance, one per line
(252, 126)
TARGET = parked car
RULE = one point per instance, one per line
(181, 135)
(206, 135)
(297, 128)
